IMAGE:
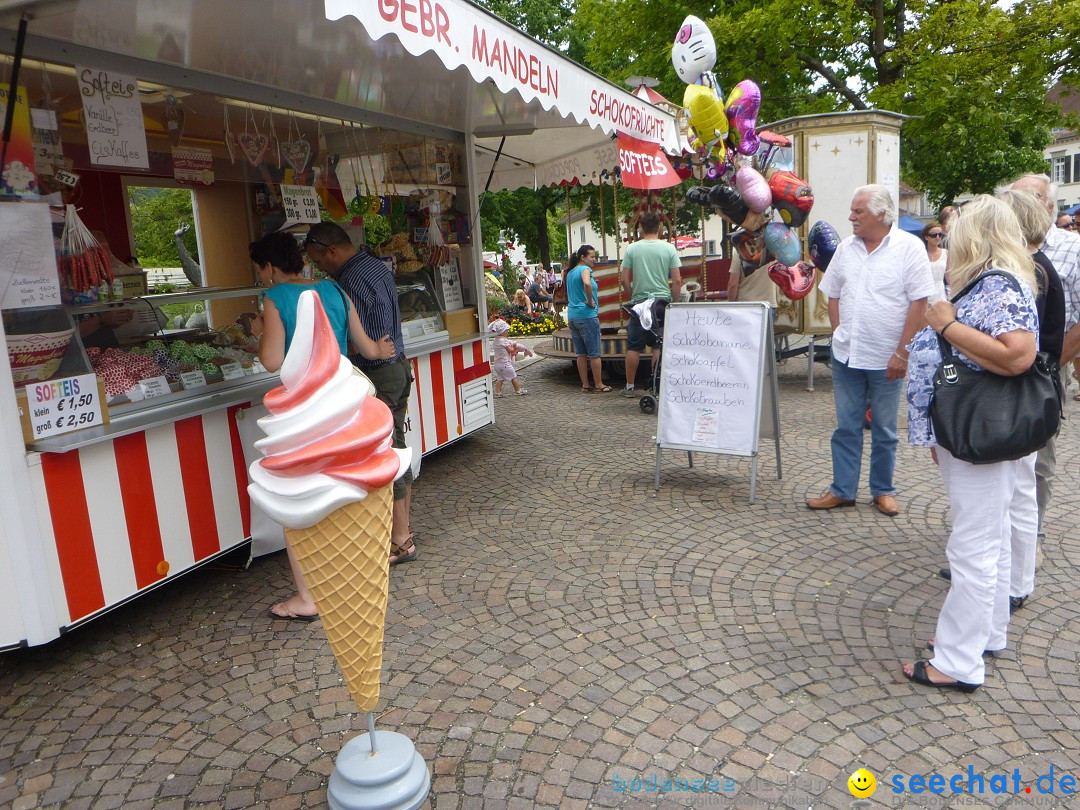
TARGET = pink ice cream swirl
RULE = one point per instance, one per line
(328, 439)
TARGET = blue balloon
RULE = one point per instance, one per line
(782, 243)
(822, 242)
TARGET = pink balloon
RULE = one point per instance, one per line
(754, 188)
(795, 282)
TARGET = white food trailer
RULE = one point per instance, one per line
(408, 107)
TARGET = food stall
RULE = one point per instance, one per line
(126, 457)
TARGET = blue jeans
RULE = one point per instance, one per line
(586, 335)
(853, 390)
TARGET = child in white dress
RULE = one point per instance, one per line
(504, 350)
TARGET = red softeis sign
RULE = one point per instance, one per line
(643, 165)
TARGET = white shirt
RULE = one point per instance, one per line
(1062, 248)
(875, 291)
(937, 271)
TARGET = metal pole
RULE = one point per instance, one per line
(603, 229)
(371, 732)
(13, 89)
(615, 208)
(569, 240)
(704, 265)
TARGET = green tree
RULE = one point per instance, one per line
(971, 73)
(525, 215)
(155, 215)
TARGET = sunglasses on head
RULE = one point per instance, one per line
(311, 240)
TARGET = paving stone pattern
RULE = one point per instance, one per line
(565, 628)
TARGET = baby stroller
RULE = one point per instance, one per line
(654, 339)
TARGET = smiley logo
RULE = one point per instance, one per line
(862, 784)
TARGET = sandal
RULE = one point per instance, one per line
(586, 390)
(402, 553)
(920, 677)
(604, 390)
(288, 615)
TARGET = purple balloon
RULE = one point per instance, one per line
(742, 110)
(822, 242)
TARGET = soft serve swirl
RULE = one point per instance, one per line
(327, 437)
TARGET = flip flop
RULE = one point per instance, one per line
(290, 616)
(605, 390)
(586, 390)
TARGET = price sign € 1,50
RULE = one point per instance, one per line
(61, 406)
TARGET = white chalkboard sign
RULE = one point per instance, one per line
(718, 391)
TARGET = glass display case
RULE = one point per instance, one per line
(421, 316)
(142, 359)
(151, 360)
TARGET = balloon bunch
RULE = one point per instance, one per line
(749, 193)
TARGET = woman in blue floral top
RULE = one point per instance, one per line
(994, 327)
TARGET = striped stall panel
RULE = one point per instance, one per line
(128, 513)
(436, 406)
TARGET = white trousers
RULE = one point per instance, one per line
(1024, 520)
(975, 616)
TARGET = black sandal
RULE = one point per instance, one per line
(401, 553)
(920, 677)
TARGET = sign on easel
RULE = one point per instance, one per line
(718, 389)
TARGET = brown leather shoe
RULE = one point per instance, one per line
(827, 501)
(887, 505)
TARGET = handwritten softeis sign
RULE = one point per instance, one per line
(113, 116)
(28, 276)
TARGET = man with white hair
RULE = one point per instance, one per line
(877, 285)
(1062, 248)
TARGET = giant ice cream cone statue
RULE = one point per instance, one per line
(327, 476)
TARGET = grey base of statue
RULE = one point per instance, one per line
(395, 778)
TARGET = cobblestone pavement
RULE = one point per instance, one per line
(567, 630)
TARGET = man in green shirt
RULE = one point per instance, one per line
(650, 267)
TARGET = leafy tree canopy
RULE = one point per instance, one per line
(971, 73)
(155, 215)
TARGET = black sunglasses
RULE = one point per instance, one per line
(936, 235)
(311, 240)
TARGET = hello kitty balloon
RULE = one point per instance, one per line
(693, 54)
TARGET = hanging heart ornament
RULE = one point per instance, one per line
(297, 154)
(254, 147)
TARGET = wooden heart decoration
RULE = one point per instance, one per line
(254, 147)
(297, 154)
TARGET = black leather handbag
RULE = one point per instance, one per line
(982, 417)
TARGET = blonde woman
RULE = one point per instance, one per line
(994, 328)
(522, 300)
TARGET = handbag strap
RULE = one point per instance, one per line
(947, 350)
